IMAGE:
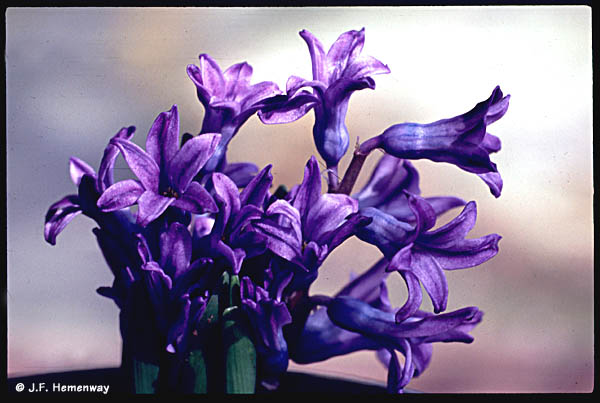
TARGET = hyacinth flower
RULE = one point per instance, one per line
(229, 236)
(164, 172)
(336, 75)
(305, 229)
(360, 317)
(268, 315)
(462, 140)
(229, 100)
(385, 190)
(421, 255)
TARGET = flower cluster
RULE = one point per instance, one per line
(193, 232)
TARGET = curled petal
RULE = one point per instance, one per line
(208, 79)
(494, 182)
(414, 299)
(57, 221)
(105, 171)
(429, 272)
(317, 56)
(365, 66)
(454, 231)
(190, 158)
(283, 109)
(256, 190)
(120, 195)
(468, 253)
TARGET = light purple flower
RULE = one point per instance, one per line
(228, 99)
(164, 172)
(336, 75)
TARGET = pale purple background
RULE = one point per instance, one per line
(75, 76)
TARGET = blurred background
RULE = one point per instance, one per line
(74, 76)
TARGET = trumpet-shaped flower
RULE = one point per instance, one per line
(336, 75)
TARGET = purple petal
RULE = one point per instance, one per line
(328, 213)
(386, 232)
(414, 299)
(455, 230)
(208, 78)
(105, 171)
(468, 253)
(343, 52)
(281, 109)
(255, 94)
(78, 168)
(255, 192)
(151, 205)
(365, 66)
(229, 193)
(162, 142)
(57, 221)
(494, 182)
(196, 200)
(175, 250)
(317, 56)
(140, 162)
(190, 159)
(120, 195)
(309, 191)
(240, 172)
(237, 79)
(429, 272)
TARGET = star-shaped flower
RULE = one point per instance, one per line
(164, 170)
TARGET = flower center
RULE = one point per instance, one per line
(170, 192)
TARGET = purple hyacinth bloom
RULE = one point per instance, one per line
(462, 140)
(421, 255)
(164, 170)
(385, 190)
(228, 99)
(360, 317)
(268, 315)
(336, 75)
(229, 235)
(171, 283)
(90, 186)
(305, 229)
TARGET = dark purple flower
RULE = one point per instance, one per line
(228, 99)
(164, 170)
(421, 255)
(268, 314)
(462, 140)
(385, 190)
(172, 284)
(336, 75)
